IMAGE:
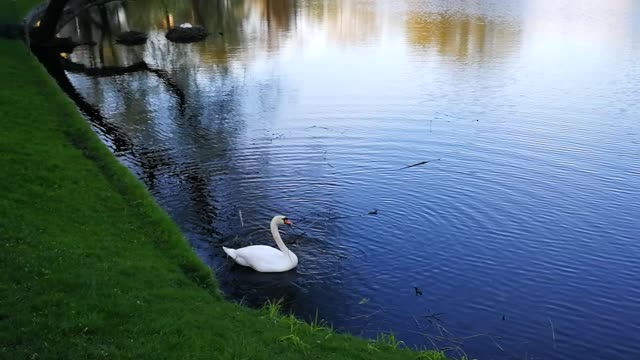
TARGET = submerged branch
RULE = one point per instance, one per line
(108, 71)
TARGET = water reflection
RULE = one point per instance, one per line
(348, 22)
(462, 37)
(309, 108)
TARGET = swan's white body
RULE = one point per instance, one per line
(264, 258)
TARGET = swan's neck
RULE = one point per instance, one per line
(276, 236)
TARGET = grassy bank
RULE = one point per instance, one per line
(13, 11)
(91, 267)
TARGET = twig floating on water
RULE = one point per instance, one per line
(430, 339)
(433, 316)
(417, 164)
(366, 316)
(416, 321)
(495, 342)
(553, 333)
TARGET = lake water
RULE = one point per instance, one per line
(522, 231)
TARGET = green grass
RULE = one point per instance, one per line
(91, 267)
(13, 10)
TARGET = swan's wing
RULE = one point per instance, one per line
(257, 251)
(264, 258)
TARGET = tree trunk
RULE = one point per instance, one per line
(48, 24)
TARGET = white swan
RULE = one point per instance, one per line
(264, 258)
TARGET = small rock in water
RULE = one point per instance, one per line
(131, 38)
(187, 34)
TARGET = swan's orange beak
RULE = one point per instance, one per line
(288, 222)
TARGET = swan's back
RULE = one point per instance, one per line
(264, 258)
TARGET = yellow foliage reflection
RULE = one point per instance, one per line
(460, 36)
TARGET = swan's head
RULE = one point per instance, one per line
(282, 220)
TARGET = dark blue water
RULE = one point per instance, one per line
(521, 232)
